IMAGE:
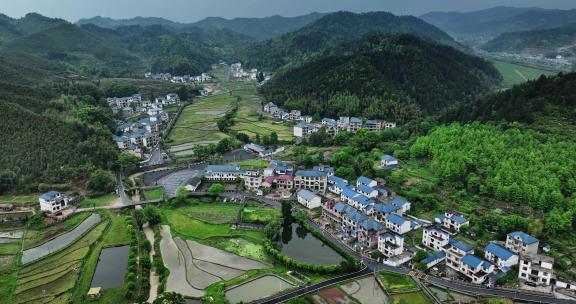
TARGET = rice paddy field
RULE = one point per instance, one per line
(514, 73)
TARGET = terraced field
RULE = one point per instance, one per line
(51, 279)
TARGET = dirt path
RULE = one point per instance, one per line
(154, 278)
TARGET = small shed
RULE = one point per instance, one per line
(94, 293)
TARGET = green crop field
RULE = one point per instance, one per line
(213, 213)
(259, 214)
(98, 201)
(36, 237)
(154, 194)
(252, 164)
(198, 120)
(411, 297)
(397, 282)
(19, 199)
(514, 73)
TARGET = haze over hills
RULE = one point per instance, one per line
(332, 30)
(490, 23)
(257, 28)
(382, 76)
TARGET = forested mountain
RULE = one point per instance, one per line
(378, 74)
(31, 23)
(260, 28)
(165, 50)
(256, 28)
(550, 42)
(78, 49)
(332, 30)
(492, 22)
(547, 104)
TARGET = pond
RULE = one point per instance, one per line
(111, 267)
(259, 288)
(299, 244)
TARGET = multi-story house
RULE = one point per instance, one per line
(270, 108)
(390, 244)
(434, 258)
(398, 223)
(355, 124)
(295, 115)
(252, 179)
(475, 268)
(278, 167)
(455, 251)
(369, 231)
(381, 211)
(311, 180)
(325, 169)
(535, 268)
(356, 199)
(344, 123)
(334, 210)
(329, 122)
(367, 191)
(282, 182)
(306, 119)
(451, 220)
(308, 199)
(228, 173)
(401, 203)
(351, 222)
(389, 124)
(435, 238)
(374, 125)
(522, 243)
(304, 130)
(53, 202)
(501, 257)
(173, 98)
(123, 142)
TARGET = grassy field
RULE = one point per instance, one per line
(154, 194)
(248, 117)
(411, 297)
(198, 120)
(51, 279)
(34, 238)
(117, 233)
(397, 282)
(259, 214)
(242, 247)
(252, 164)
(104, 200)
(213, 213)
(19, 199)
(514, 73)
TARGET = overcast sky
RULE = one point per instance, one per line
(194, 10)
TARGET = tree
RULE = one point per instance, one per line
(272, 228)
(170, 298)
(301, 215)
(216, 188)
(420, 255)
(243, 137)
(152, 214)
(224, 145)
(128, 162)
(273, 138)
(101, 182)
(36, 220)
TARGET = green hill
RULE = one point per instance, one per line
(78, 49)
(379, 74)
(551, 42)
(110, 23)
(332, 30)
(547, 104)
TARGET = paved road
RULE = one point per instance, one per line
(172, 182)
(124, 198)
(156, 157)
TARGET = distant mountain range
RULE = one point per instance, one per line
(489, 23)
(332, 30)
(257, 28)
(382, 76)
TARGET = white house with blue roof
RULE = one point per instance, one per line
(522, 243)
(455, 250)
(389, 162)
(434, 258)
(451, 220)
(367, 191)
(475, 268)
(351, 222)
(53, 201)
(311, 180)
(362, 180)
(500, 256)
(369, 231)
(435, 238)
(401, 203)
(390, 244)
(308, 199)
(398, 223)
(227, 173)
(325, 169)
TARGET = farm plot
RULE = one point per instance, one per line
(214, 213)
(198, 121)
(397, 282)
(366, 290)
(253, 214)
(513, 73)
(34, 237)
(51, 279)
(193, 267)
(61, 241)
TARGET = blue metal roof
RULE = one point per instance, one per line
(396, 219)
(364, 180)
(399, 202)
(307, 195)
(526, 238)
(389, 158)
(335, 179)
(460, 245)
(341, 207)
(458, 218)
(472, 260)
(366, 189)
(50, 195)
(223, 168)
(363, 200)
(381, 208)
(433, 256)
(371, 224)
(355, 120)
(356, 216)
(499, 251)
(348, 192)
(310, 173)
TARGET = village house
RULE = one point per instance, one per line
(369, 231)
(434, 258)
(295, 115)
(252, 179)
(306, 119)
(6, 207)
(355, 124)
(500, 256)
(451, 220)
(53, 202)
(226, 173)
(374, 125)
(535, 268)
(193, 184)
(311, 180)
(355, 199)
(329, 171)
(389, 162)
(475, 268)
(278, 167)
(270, 108)
(302, 130)
(308, 199)
(398, 223)
(351, 222)
(366, 181)
(401, 203)
(344, 123)
(390, 244)
(281, 182)
(455, 251)
(367, 191)
(337, 184)
(522, 243)
(435, 238)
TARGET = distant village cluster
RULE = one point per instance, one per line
(145, 132)
(305, 126)
(204, 77)
(238, 72)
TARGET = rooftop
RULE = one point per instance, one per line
(365, 181)
(310, 173)
(460, 245)
(499, 251)
(526, 238)
(307, 195)
(396, 219)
